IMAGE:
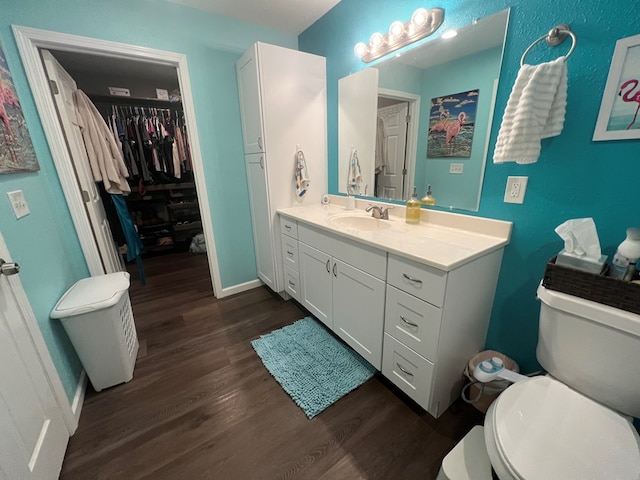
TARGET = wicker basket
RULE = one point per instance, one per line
(590, 286)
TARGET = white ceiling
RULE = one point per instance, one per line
(291, 16)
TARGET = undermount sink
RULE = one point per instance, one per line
(359, 222)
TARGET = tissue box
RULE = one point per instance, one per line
(581, 263)
(591, 286)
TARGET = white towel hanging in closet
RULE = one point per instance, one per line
(354, 179)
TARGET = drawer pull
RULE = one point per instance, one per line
(406, 372)
(288, 227)
(411, 279)
(291, 284)
(289, 253)
(335, 269)
(328, 267)
(408, 322)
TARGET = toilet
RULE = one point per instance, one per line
(575, 422)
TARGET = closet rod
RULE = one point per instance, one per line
(134, 102)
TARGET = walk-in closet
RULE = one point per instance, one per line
(140, 103)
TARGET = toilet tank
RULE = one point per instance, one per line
(592, 348)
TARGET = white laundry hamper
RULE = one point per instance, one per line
(96, 314)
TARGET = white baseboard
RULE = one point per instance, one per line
(241, 287)
(78, 399)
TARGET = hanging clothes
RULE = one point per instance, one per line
(105, 157)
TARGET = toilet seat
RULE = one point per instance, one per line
(542, 429)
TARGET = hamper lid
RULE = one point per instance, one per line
(90, 294)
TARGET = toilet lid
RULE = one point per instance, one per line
(545, 430)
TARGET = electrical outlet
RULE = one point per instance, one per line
(516, 188)
(456, 168)
(18, 203)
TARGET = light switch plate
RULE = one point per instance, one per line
(456, 168)
(18, 203)
(516, 188)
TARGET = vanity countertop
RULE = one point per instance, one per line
(442, 240)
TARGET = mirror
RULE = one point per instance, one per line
(423, 117)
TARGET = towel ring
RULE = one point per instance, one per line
(556, 36)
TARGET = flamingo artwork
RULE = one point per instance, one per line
(453, 127)
(441, 124)
(7, 98)
(629, 96)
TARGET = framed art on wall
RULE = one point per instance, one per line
(16, 150)
(451, 125)
(619, 117)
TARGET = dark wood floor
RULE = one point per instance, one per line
(202, 406)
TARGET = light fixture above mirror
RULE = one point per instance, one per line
(422, 24)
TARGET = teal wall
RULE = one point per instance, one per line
(44, 242)
(479, 72)
(574, 177)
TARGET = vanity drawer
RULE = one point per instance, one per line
(290, 252)
(368, 259)
(288, 227)
(423, 281)
(410, 372)
(413, 322)
(292, 282)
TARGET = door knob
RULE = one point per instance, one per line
(8, 268)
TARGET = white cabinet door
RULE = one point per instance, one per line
(261, 219)
(358, 310)
(250, 102)
(315, 283)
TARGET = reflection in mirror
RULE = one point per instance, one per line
(423, 118)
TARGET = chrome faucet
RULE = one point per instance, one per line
(378, 212)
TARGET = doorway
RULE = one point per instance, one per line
(30, 42)
(397, 116)
(150, 135)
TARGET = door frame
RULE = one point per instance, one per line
(412, 132)
(29, 41)
(70, 413)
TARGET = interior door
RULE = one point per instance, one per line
(391, 179)
(62, 93)
(33, 436)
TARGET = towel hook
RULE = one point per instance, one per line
(556, 36)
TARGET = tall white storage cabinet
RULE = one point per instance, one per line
(283, 103)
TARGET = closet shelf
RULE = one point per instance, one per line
(166, 186)
(184, 205)
(188, 226)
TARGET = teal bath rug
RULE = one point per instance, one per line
(312, 366)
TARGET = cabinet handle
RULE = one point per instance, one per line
(328, 268)
(289, 253)
(406, 372)
(262, 162)
(411, 279)
(260, 143)
(335, 269)
(287, 227)
(291, 283)
(408, 322)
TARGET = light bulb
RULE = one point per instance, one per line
(360, 49)
(376, 41)
(396, 30)
(419, 17)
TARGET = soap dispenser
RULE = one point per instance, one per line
(428, 198)
(413, 208)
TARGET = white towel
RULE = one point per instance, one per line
(381, 151)
(535, 110)
(302, 177)
(354, 179)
